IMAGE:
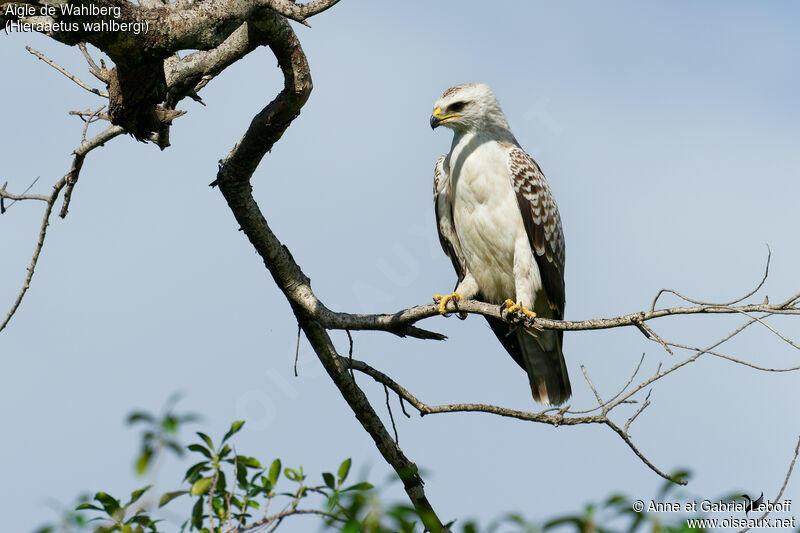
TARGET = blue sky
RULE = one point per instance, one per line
(668, 131)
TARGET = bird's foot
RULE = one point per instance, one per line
(513, 307)
(442, 300)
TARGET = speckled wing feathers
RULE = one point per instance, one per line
(444, 218)
(542, 224)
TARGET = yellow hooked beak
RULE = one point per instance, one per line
(437, 118)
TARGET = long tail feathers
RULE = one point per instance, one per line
(540, 357)
(545, 365)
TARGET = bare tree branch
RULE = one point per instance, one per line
(783, 487)
(732, 302)
(64, 71)
(273, 520)
(556, 420)
(67, 181)
(17, 197)
(233, 180)
(101, 73)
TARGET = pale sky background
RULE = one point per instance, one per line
(669, 132)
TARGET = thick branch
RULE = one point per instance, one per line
(165, 29)
(233, 180)
(396, 321)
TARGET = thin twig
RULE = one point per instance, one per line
(555, 420)
(88, 120)
(651, 334)
(640, 455)
(297, 350)
(402, 405)
(77, 163)
(230, 493)
(96, 71)
(17, 197)
(622, 390)
(733, 359)
(638, 412)
(591, 385)
(63, 71)
(773, 330)
(350, 353)
(389, 407)
(211, 502)
(267, 521)
(732, 302)
(39, 245)
(783, 487)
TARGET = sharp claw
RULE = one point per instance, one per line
(513, 307)
(443, 299)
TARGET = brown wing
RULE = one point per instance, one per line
(542, 224)
(442, 204)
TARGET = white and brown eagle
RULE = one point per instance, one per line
(499, 224)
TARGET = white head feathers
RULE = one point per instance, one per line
(469, 107)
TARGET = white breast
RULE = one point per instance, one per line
(486, 217)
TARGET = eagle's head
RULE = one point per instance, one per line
(468, 107)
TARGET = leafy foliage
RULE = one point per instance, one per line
(229, 492)
(160, 433)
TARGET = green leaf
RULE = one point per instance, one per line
(199, 448)
(140, 416)
(88, 506)
(235, 427)
(143, 461)
(135, 495)
(351, 527)
(360, 486)
(577, 521)
(344, 469)
(250, 462)
(333, 500)
(195, 470)
(197, 514)
(169, 496)
(329, 481)
(221, 481)
(110, 504)
(292, 474)
(201, 486)
(223, 453)
(220, 509)
(142, 520)
(241, 475)
(274, 472)
(169, 424)
(207, 439)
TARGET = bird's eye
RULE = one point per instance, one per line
(455, 107)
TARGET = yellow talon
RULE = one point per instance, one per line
(510, 305)
(513, 307)
(443, 299)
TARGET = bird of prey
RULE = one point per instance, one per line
(499, 224)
